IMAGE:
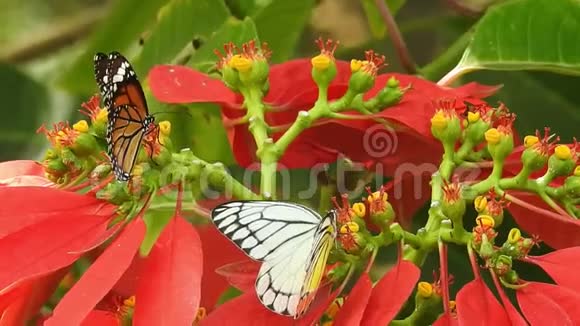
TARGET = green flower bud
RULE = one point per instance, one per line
(572, 186)
(323, 70)
(445, 125)
(533, 160)
(475, 131)
(562, 162)
(500, 143)
(502, 264)
(85, 145)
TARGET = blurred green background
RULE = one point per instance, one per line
(47, 48)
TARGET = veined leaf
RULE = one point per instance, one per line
(179, 22)
(526, 35)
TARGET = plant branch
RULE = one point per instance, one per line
(447, 60)
(397, 38)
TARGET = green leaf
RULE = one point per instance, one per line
(526, 34)
(179, 22)
(376, 23)
(23, 102)
(117, 32)
(280, 25)
(233, 30)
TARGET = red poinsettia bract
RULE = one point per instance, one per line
(292, 89)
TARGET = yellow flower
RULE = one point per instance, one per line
(492, 136)
(349, 227)
(81, 126)
(530, 140)
(563, 152)
(514, 236)
(102, 116)
(165, 128)
(485, 221)
(355, 65)
(359, 209)
(240, 63)
(425, 289)
(473, 117)
(480, 203)
(439, 120)
(321, 62)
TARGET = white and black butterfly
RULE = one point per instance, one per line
(292, 242)
(128, 117)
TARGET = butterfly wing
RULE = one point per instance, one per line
(125, 140)
(128, 117)
(281, 235)
(323, 243)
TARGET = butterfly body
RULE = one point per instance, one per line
(128, 114)
(292, 242)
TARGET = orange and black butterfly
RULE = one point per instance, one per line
(128, 118)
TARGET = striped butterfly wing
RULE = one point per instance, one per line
(323, 243)
(282, 236)
(128, 117)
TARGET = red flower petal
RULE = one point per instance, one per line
(548, 304)
(169, 290)
(16, 211)
(180, 84)
(390, 293)
(218, 251)
(241, 274)
(562, 266)
(101, 318)
(245, 310)
(513, 314)
(49, 245)
(353, 309)
(100, 277)
(32, 295)
(476, 305)
(17, 168)
(557, 231)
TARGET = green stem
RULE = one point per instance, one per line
(448, 59)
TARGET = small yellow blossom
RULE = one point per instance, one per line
(439, 120)
(321, 62)
(530, 140)
(240, 63)
(355, 65)
(485, 221)
(563, 152)
(492, 136)
(359, 209)
(81, 126)
(480, 203)
(514, 236)
(349, 227)
(473, 117)
(425, 289)
(165, 128)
